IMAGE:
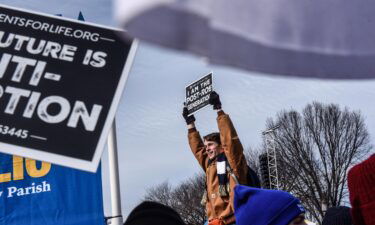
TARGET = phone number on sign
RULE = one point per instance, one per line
(20, 133)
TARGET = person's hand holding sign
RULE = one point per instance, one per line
(214, 100)
(188, 119)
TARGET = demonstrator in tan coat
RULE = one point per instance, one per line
(221, 157)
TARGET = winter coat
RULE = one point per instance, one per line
(218, 207)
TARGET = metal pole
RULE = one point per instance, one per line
(116, 218)
(269, 138)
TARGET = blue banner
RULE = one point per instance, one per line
(38, 193)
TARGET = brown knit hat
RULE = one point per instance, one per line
(361, 184)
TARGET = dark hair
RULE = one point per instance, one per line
(153, 213)
(215, 136)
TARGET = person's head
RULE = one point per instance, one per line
(212, 145)
(339, 215)
(262, 206)
(149, 213)
(299, 220)
(361, 184)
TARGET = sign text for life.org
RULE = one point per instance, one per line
(60, 83)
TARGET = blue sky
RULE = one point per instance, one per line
(151, 131)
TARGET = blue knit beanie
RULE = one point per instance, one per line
(254, 206)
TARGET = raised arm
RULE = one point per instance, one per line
(229, 139)
(232, 145)
(195, 140)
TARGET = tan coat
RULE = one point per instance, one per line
(220, 207)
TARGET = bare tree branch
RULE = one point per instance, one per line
(316, 149)
(184, 198)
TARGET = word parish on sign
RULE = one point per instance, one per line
(198, 93)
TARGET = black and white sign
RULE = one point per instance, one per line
(60, 84)
(198, 93)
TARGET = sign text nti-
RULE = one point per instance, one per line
(59, 87)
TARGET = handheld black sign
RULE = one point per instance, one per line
(60, 84)
(198, 93)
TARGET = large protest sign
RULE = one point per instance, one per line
(198, 93)
(60, 84)
(35, 192)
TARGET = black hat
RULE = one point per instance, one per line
(149, 213)
(339, 215)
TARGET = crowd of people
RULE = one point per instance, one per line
(229, 202)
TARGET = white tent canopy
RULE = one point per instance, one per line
(322, 39)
